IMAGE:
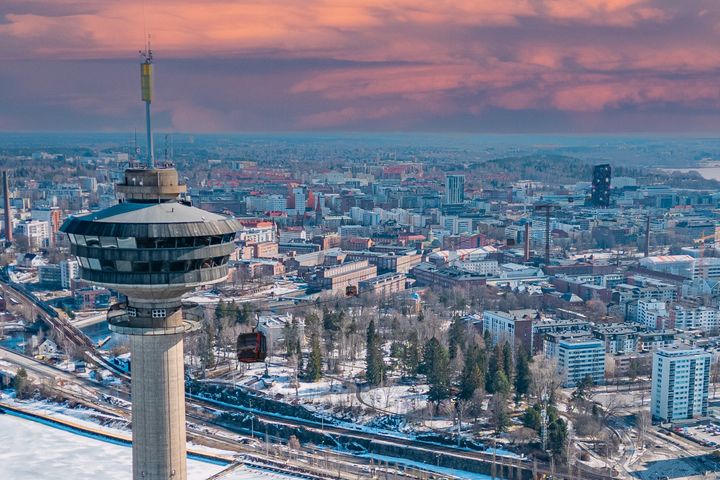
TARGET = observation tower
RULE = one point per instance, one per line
(153, 247)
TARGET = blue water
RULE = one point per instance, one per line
(97, 332)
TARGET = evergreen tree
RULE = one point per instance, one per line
(457, 336)
(375, 366)
(436, 365)
(411, 355)
(582, 389)
(312, 324)
(501, 384)
(532, 418)
(299, 355)
(495, 368)
(313, 372)
(21, 383)
(207, 350)
(523, 377)
(243, 314)
(487, 339)
(557, 436)
(507, 360)
(291, 332)
(473, 374)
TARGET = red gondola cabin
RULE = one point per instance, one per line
(251, 347)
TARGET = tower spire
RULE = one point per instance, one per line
(146, 88)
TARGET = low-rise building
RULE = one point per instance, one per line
(385, 284)
(275, 328)
(337, 279)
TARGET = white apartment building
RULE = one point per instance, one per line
(36, 232)
(581, 357)
(300, 197)
(653, 314)
(685, 317)
(265, 203)
(707, 268)
(481, 267)
(680, 383)
(69, 271)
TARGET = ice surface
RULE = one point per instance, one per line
(33, 451)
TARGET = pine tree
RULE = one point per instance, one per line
(312, 324)
(557, 436)
(375, 366)
(495, 368)
(411, 355)
(456, 336)
(523, 377)
(207, 353)
(473, 375)
(436, 365)
(487, 339)
(314, 366)
(507, 360)
(299, 355)
(501, 384)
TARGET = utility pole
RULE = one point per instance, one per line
(544, 419)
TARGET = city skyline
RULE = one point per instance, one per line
(512, 66)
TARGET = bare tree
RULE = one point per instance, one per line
(642, 425)
(545, 378)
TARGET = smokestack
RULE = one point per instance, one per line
(647, 237)
(6, 206)
(527, 241)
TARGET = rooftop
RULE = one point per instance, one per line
(171, 212)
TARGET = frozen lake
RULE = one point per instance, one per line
(33, 451)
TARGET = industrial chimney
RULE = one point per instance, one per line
(6, 207)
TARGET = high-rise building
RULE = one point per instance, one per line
(600, 195)
(69, 271)
(300, 198)
(153, 247)
(579, 358)
(680, 383)
(454, 189)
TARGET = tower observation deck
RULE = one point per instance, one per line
(153, 247)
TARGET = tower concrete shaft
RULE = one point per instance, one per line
(158, 413)
(158, 390)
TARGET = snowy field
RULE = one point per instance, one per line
(33, 451)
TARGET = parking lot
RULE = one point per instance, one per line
(706, 433)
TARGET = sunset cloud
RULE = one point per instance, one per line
(285, 64)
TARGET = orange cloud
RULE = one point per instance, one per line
(378, 60)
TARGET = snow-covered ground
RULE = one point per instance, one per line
(398, 399)
(32, 451)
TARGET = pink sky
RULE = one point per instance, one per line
(277, 65)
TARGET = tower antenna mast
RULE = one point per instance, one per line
(146, 88)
